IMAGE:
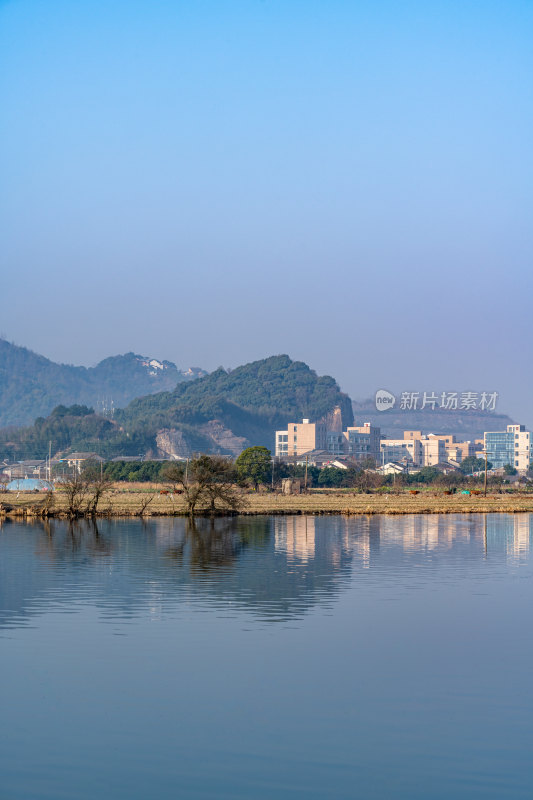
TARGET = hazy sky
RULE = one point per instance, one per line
(215, 182)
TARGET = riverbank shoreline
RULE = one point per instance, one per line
(127, 504)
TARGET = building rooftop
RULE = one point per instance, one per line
(82, 457)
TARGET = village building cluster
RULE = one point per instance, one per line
(313, 443)
(322, 445)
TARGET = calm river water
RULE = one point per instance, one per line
(267, 658)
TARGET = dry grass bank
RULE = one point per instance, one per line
(138, 500)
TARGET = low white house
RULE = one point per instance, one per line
(392, 468)
(77, 460)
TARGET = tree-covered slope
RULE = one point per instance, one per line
(222, 412)
(252, 400)
(78, 428)
(32, 385)
(74, 428)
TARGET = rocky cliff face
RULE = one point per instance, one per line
(334, 420)
(215, 438)
(171, 443)
(223, 438)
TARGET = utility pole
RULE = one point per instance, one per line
(273, 473)
(306, 463)
(485, 482)
(50, 461)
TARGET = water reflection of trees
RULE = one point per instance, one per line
(207, 545)
(204, 544)
(257, 563)
(277, 567)
(73, 536)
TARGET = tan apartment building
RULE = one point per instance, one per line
(363, 441)
(447, 438)
(456, 451)
(433, 446)
(406, 451)
(301, 437)
(434, 451)
(416, 449)
(412, 434)
(357, 442)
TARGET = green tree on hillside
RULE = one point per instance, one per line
(255, 465)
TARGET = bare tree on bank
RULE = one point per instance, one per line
(85, 490)
(75, 489)
(4, 480)
(95, 491)
(206, 480)
(144, 503)
(96, 485)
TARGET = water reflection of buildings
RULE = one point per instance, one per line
(295, 536)
(519, 547)
(426, 533)
(306, 539)
(370, 536)
(509, 533)
(365, 539)
(498, 534)
(276, 567)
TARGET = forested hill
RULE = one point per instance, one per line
(221, 413)
(277, 389)
(32, 385)
(250, 401)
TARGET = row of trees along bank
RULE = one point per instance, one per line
(214, 484)
(256, 468)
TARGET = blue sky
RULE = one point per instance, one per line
(215, 182)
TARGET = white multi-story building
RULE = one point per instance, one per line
(511, 447)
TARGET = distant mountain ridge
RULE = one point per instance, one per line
(464, 424)
(223, 412)
(32, 385)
